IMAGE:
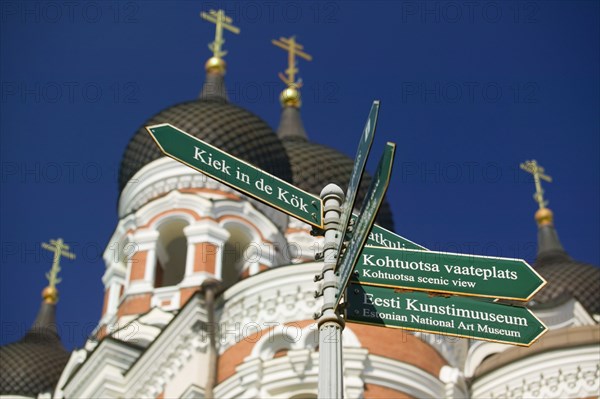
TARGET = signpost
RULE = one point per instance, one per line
(360, 160)
(457, 316)
(237, 174)
(384, 269)
(366, 218)
(380, 237)
(484, 276)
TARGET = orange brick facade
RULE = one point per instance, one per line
(235, 354)
(105, 304)
(379, 392)
(205, 257)
(138, 265)
(185, 294)
(134, 304)
(399, 345)
(405, 348)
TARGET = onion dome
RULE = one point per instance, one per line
(213, 119)
(565, 276)
(34, 364)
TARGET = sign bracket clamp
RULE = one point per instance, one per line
(317, 232)
(327, 284)
(327, 267)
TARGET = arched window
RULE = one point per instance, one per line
(235, 254)
(171, 254)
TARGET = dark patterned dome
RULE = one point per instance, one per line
(219, 123)
(568, 277)
(314, 165)
(33, 364)
(565, 276)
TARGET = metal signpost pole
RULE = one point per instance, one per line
(330, 323)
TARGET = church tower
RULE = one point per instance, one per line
(564, 363)
(33, 365)
(210, 293)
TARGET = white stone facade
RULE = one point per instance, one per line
(155, 339)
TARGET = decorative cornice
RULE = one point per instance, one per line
(118, 368)
(144, 239)
(168, 352)
(553, 341)
(559, 319)
(164, 175)
(453, 349)
(403, 377)
(115, 272)
(206, 231)
(262, 300)
(569, 373)
(569, 313)
(103, 366)
(296, 373)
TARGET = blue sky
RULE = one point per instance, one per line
(468, 92)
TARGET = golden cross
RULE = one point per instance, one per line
(60, 249)
(538, 174)
(221, 21)
(294, 49)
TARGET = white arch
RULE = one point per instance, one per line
(310, 338)
(246, 227)
(478, 352)
(247, 211)
(288, 337)
(173, 200)
(277, 339)
(175, 216)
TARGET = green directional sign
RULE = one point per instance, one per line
(366, 218)
(448, 273)
(237, 174)
(360, 160)
(380, 237)
(456, 316)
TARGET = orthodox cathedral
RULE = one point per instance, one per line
(214, 297)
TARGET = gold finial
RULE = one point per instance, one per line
(294, 49)
(50, 293)
(290, 97)
(221, 21)
(544, 215)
